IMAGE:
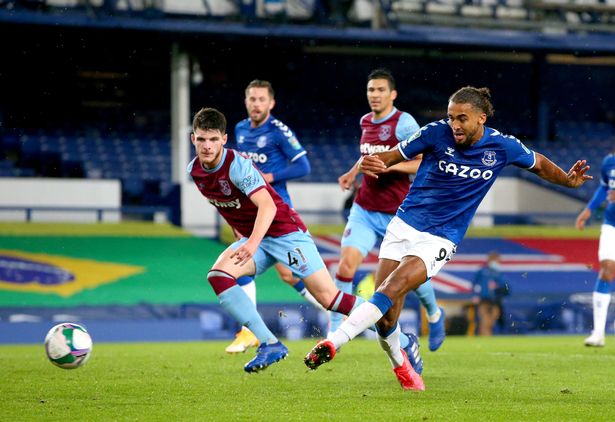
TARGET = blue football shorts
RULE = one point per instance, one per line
(364, 228)
(296, 251)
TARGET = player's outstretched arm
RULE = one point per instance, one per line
(550, 172)
(264, 216)
(375, 164)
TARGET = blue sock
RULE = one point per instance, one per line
(246, 279)
(384, 302)
(427, 296)
(300, 287)
(381, 301)
(238, 304)
(603, 286)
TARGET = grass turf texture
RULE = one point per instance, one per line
(498, 378)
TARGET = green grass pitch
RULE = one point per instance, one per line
(529, 378)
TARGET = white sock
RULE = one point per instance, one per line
(392, 347)
(364, 316)
(435, 317)
(308, 296)
(250, 290)
(601, 303)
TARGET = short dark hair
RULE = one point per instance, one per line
(382, 73)
(209, 119)
(259, 83)
(480, 98)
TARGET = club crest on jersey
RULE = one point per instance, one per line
(385, 132)
(261, 142)
(489, 158)
(225, 186)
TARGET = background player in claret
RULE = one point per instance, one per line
(461, 159)
(273, 232)
(378, 198)
(275, 150)
(601, 297)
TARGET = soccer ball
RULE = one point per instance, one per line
(68, 345)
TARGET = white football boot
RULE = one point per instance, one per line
(595, 340)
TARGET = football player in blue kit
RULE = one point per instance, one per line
(601, 296)
(376, 201)
(275, 150)
(461, 159)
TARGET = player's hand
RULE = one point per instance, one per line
(268, 177)
(576, 175)
(582, 218)
(372, 165)
(345, 181)
(610, 196)
(243, 254)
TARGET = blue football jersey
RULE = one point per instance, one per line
(452, 180)
(271, 146)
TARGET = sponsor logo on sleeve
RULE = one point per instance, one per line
(294, 143)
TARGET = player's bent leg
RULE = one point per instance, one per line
(244, 339)
(288, 277)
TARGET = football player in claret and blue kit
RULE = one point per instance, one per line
(276, 152)
(273, 232)
(461, 159)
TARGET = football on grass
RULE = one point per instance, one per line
(68, 345)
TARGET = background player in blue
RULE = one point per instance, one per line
(601, 296)
(461, 159)
(377, 199)
(277, 153)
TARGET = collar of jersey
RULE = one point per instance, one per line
(387, 117)
(206, 170)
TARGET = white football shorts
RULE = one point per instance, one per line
(606, 250)
(403, 240)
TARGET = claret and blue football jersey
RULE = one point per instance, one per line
(453, 180)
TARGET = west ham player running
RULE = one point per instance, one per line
(275, 233)
(606, 249)
(377, 199)
(461, 159)
(277, 153)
